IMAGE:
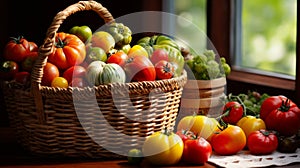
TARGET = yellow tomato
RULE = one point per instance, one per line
(59, 82)
(250, 124)
(137, 50)
(163, 148)
(199, 124)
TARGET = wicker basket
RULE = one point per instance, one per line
(97, 122)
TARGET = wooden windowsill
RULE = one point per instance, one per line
(251, 77)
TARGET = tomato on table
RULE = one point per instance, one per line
(163, 148)
(250, 124)
(197, 150)
(283, 117)
(232, 112)
(200, 125)
(229, 140)
(262, 142)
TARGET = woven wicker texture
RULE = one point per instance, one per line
(88, 122)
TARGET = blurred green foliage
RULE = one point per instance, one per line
(269, 35)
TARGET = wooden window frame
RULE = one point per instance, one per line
(220, 32)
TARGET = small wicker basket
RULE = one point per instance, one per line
(98, 122)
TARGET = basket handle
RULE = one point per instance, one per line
(47, 47)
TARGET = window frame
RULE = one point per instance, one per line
(221, 31)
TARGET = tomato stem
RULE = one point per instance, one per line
(60, 43)
(285, 106)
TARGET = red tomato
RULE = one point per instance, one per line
(74, 72)
(118, 58)
(16, 49)
(158, 55)
(269, 104)
(185, 135)
(262, 142)
(196, 151)
(232, 112)
(29, 61)
(69, 50)
(139, 68)
(285, 119)
(22, 77)
(33, 46)
(50, 72)
(164, 70)
(78, 82)
(229, 140)
(8, 70)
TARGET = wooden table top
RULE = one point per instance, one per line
(13, 156)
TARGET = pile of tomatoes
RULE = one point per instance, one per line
(18, 59)
(198, 136)
(74, 53)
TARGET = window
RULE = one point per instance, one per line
(190, 23)
(222, 30)
(266, 35)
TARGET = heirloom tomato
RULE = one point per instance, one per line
(262, 142)
(103, 40)
(281, 114)
(68, 51)
(83, 32)
(285, 119)
(76, 71)
(78, 82)
(16, 49)
(250, 123)
(200, 125)
(28, 62)
(118, 57)
(50, 71)
(197, 150)
(96, 54)
(8, 70)
(33, 47)
(158, 55)
(287, 144)
(139, 68)
(269, 104)
(228, 140)
(232, 112)
(135, 156)
(164, 70)
(59, 82)
(163, 148)
(22, 77)
(137, 50)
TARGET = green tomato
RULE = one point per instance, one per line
(135, 156)
(96, 54)
(83, 32)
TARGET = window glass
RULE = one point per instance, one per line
(192, 13)
(269, 35)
